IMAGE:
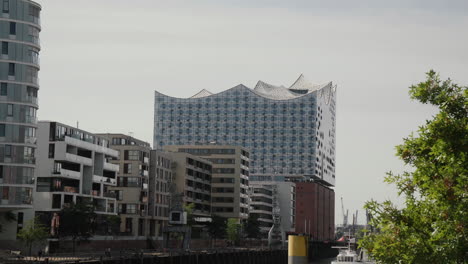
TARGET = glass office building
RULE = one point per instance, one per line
(19, 67)
(290, 132)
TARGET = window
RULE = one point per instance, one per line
(7, 150)
(2, 130)
(12, 28)
(4, 47)
(132, 155)
(127, 168)
(32, 91)
(132, 182)
(4, 89)
(6, 6)
(5, 193)
(34, 11)
(11, 69)
(51, 151)
(10, 110)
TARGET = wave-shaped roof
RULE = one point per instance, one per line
(299, 88)
(202, 93)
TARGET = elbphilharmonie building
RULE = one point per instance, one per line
(290, 132)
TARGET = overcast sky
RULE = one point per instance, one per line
(102, 60)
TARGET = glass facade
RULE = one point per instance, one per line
(281, 128)
(19, 67)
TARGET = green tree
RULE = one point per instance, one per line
(252, 228)
(33, 232)
(77, 222)
(217, 228)
(188, 208)
(233, 230)
(431, 227)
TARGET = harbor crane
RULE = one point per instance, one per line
(345, 215)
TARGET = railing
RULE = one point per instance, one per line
(110, 195)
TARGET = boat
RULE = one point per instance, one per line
(347, 255)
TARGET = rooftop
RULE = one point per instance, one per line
(299, 88)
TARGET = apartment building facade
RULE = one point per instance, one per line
(192, 176)
(160, 178)
(132, 190)
(230, 177)
(19, 85)
(73, 166)
(263, 195)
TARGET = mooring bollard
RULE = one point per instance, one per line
(297, 250)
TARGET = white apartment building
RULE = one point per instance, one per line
(262, 195)
(73, 166)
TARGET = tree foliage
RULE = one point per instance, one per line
(233, 230)
(431, 227)
(252, 228)
(32, 233)
(77, 222)
(188, 208)
(217, 227)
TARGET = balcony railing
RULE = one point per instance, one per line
(110, 195)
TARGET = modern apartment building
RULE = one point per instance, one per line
(290, 131)
(19, 85)
(73, 166)
(262, 195)
(192, 177)
(230, 177)
(262, 205)
(161, 176)
(132, 188)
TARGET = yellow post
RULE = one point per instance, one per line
(297, 250)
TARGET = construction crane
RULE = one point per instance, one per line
(345, 215)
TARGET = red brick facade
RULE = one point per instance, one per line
(315, 210)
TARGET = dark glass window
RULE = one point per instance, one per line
(6, 6)
(5, 47)
(127, 168)
(51, 151)
(7, 150)
(4, 89)
(11, 69)
(2, 130)
(12, 28)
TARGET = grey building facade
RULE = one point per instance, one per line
(19, 85)
(229, 178)
(19, 67)
(161, 175)
(132, 188)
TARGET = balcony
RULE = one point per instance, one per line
(111, 167)
(97, 178)
(78, 159)
(67, 173)
(110, 195)
(68, 189)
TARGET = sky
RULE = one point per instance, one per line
(102, 60)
